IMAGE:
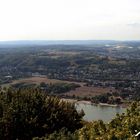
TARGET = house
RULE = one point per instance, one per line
(9, 77)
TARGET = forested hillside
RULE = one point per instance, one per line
(114, 67)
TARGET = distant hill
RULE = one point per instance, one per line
(30, 43)
(22, 43)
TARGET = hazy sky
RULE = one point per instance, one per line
(69, 19)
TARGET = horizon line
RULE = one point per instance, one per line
(20, 40)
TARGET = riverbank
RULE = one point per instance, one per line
(90, 103)
(96, 112)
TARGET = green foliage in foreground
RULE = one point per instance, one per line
(123, 127)
(29, 114)
(25, 114)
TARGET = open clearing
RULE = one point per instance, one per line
(85, 91)
(38, 80)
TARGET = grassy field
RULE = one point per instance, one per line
(81, 91)
(38, 80)
(85, 91)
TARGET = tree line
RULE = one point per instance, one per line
(28, 113)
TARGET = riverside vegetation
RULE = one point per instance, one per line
(31, 114)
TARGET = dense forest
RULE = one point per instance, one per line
(28, 113)
(32, 114)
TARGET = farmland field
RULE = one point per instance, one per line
(37, 80)
(82, 91)
(85, 91)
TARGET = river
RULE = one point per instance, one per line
(99, 112)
